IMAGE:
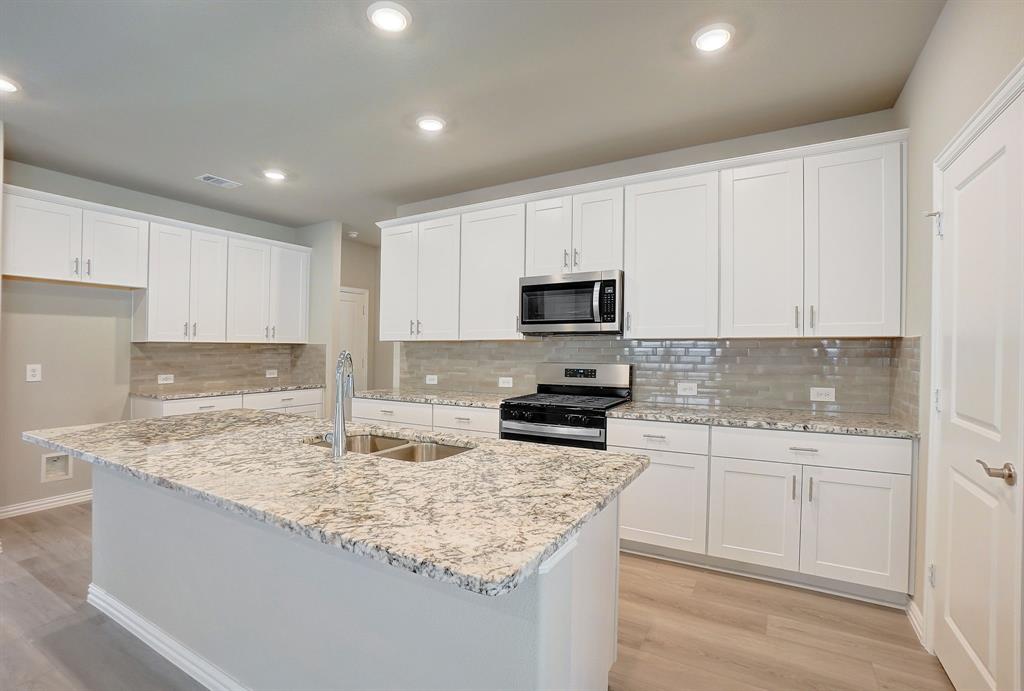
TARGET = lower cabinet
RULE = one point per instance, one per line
(307, 402)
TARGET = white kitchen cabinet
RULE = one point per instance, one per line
(437, 279)
(208, 287)
(399, 261)
(289, 295)
(762, 250)
(41, 239)
(466, 419)
(856, 527)
(754, 512)
(493, 259)
(853, 242)
(397, 413)
(161, 313)
(248, 308)
(144, 407)
(597, 230)
(667, 505)
(115, 249)
(549, 226)
(671, 258)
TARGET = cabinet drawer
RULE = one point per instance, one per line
(467, 432)
(397, 412)
(466, 418)
(305, 410)
(814, 449)
(658, 436)
(201, 405)
(283, 399)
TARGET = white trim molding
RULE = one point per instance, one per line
(24, 507)
(917, 622)
(187, 660)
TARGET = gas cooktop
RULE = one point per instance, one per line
(567, 401)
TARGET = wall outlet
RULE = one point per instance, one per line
(819, 393)
(33, 372)
(505, 382)
(431, 379)
(271, 374)
(686, 388)
(165, 379)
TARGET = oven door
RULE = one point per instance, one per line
(559, 435)
(571, 303)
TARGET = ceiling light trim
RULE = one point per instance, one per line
(431, 124)
(389, 16)
(713, 37)
(275, 175)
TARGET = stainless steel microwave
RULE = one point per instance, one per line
(571, 303)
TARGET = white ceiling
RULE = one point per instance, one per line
(147, 95)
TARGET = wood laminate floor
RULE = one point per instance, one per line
(680, 628)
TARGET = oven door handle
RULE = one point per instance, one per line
(562, 431)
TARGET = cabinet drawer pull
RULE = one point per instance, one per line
(660, 437)
(805, 449)
(385, 411)
(462, 419)
(206, 407)
(288, 398)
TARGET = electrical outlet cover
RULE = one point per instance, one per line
(686, 388)
(431, 379)
(33, 372)
(505, 382)
(271, 374)
(821, 393)
(165, 379)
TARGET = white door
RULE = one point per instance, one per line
(438, 280)
(208, 287)
(754, 512)
(168, 292)
(668, 504)
(855, 527)
(853, 242)
(289, 295)
(352, 308)
(399, 259)
(42, 239)
(549, 237)
(597, 238)
(763, 250)
(115, 249)
(248, 318)
(671, 258)
(978, 522)
(493, 247)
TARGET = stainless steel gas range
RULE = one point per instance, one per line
(570, 406)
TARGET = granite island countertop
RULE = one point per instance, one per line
(168, 392)
(482, 520)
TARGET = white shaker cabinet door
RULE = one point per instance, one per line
(115, 249)
(41, 239)
(754, 512)
(248, 316)
(549, 225)
(438, 279)
(856, 527)
(853, 242)
(208, 292)
(399, 262)
(671, 258)
(597, 222)
(762, 250)
(493, 256)
(289, 295)
(167, 298)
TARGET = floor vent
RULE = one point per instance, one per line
(218, 181)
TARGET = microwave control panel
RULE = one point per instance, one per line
(608, 300)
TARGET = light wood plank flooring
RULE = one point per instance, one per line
(679, 628)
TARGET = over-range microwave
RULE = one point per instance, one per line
(571, 303)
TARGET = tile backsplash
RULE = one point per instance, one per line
(867, 373)
(223, 366)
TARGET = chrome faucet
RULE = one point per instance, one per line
(344, 385)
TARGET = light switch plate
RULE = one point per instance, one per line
(165, 379)
(819, 393)
(686, 388)
(271, 374)
(33, 372)
(505, 382)
(431, 379)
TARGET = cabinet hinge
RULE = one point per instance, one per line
(938, 400)
(931, 575)
(937, 215)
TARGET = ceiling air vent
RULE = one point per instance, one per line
(218, 181)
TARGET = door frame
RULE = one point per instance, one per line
(333, 342)
(1011, 88)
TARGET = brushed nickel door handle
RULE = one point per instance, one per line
(576, 257)
(565, 259)
(812, 316)
(794, 488)
(810, 490)
(796, 316)
(1008, 473)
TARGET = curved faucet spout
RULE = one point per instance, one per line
(344, 388)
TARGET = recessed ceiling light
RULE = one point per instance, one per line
(389, 16)
(275, 175)
(713, 37)
(8, 86)
(430, 123)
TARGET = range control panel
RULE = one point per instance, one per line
(580, 373)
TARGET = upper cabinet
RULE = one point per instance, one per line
(162, 312)
(208, 287)
(671, 258)
(43, 239)
(289, 294)
(574, 234)
(268, 292)
(493, 259)
(399, 259)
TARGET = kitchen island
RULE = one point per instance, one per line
(252, 559)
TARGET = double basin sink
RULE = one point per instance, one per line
(391, 447)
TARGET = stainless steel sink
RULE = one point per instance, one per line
(422, 451)
(391, 447)
(359, 443)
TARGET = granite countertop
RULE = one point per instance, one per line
(170, 393)
(482, 520)
(467, 399)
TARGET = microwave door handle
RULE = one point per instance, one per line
(597, 302)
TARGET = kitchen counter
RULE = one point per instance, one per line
(441, 397)
(169, 392)
(482, 520)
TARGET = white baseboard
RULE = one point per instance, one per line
(917, 621)
(47, 503)
(199, 668)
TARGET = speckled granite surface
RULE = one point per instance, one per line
(482, 520)
(170, 394)
(441, 397)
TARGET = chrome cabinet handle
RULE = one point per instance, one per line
(266, 331)
(805, 449)
(575, 257)
(75, 270)
(462, 419)
(193, 329)
(88, 267)
(273, 331)
(385, 411)
(186, 330)
(654, 436)
(1008, 473)
(812, 316)
(288, 398)
(810, 490)
(565, 259)
(794, 488)
(206, 407)
(419, 328)
(629, 321)
(796, 317)
(411, 332)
